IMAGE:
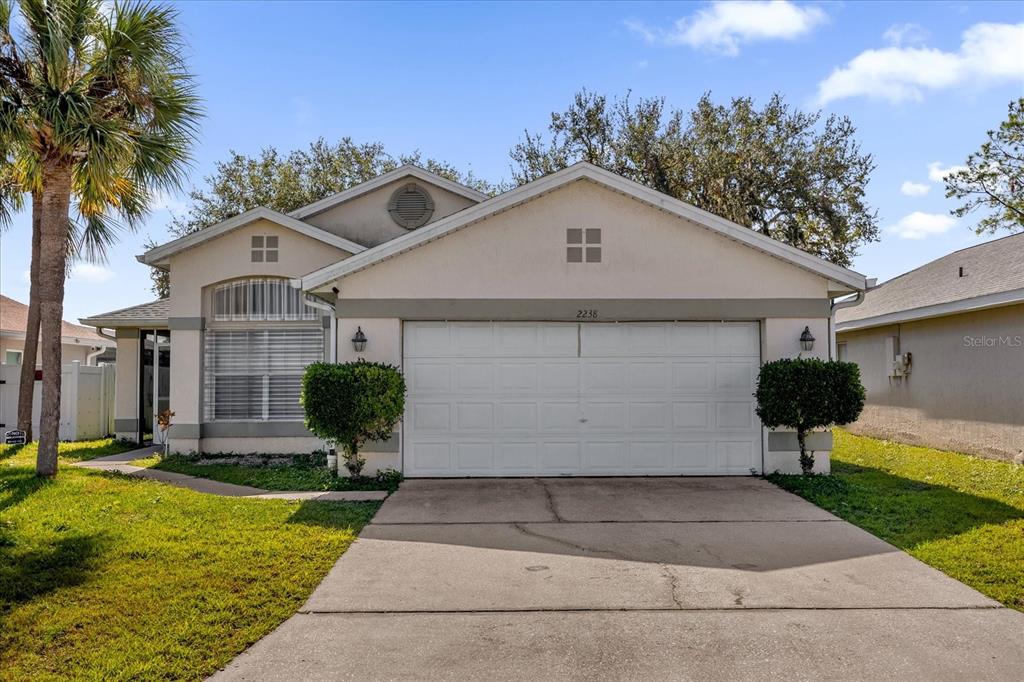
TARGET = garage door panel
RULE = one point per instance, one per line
(427, 416)
(521, 399)
(650, 456)
(602, 415)
(733, 415)
(690, 414)
(736, 338)
(559, 457)
(517, 457)
(736, 375)
(648, 375)
(649, 416)
(429, 458)
(477, 377)
(604, 375)
(560, 415)
(474, 457)
(560, 376)
(691, 376)
(517, 416)
(693, 456)
(430, 377)
(604, 456)
(474, 416)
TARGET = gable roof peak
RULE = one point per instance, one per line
(403, 171)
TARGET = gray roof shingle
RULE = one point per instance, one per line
(145, 313)
(990, 268)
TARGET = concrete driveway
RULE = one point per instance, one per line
(640, 578)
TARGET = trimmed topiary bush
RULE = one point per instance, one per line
(806, 394)
(350, 403)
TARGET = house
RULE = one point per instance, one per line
(81, 344)
(581, 324)
(941, 352)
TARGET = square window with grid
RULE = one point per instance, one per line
(264, 248)
(583, 245)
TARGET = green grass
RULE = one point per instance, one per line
(303, 475)
(961, 514)
(108, 577)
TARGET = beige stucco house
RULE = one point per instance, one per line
(941, 352)
(78, 344)
(581, 324)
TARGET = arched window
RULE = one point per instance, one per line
(261, 299)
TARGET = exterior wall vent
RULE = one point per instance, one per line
(410, 206)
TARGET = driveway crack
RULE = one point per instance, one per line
(552, 507)
(673, 581)
(566, 543)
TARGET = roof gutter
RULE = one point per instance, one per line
(871, 282)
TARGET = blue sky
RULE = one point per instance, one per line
(461, 81)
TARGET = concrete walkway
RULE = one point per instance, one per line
(121, 463)
(630, 579)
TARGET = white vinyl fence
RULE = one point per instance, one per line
(86, 401)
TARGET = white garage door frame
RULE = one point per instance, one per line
(524, 399)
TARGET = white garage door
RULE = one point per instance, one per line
(590, 399)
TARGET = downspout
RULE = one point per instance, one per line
(839, 305)
(92, 356)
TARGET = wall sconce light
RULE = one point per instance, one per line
(807, 339)
(359, 340)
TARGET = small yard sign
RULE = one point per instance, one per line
(14, 437)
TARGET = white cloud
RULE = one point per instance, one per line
(918, 225)
(905, 34)
(988, 53)
(936, 173)
(914, 189)
(165, 201)
(90, 273)
(724, 26)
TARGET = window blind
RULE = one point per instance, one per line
(261, 299)
(256, 375)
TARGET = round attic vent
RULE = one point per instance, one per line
(410, 206)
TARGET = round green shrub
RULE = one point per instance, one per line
(806, 394)
(350, 403)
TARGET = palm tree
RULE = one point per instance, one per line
(98, 111)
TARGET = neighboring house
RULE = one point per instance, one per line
(581, 324)
(941, 352)
(78, 343)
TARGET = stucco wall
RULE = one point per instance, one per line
(126, 384)
(192, 273)
(365, 219)
(70, 352)
(646, 253)
(965, 391)
(227, 257)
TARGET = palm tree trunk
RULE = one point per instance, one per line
(27, 384)
(56, 199)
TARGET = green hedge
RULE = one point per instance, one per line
(348, 404)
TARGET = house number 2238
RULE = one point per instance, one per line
(586, 314)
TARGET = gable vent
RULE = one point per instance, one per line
(410, 206)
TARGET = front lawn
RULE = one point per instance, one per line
(963, 515)
(303, 473)
(108, 577)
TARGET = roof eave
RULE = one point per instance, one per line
(967, 305)
(158, 255)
